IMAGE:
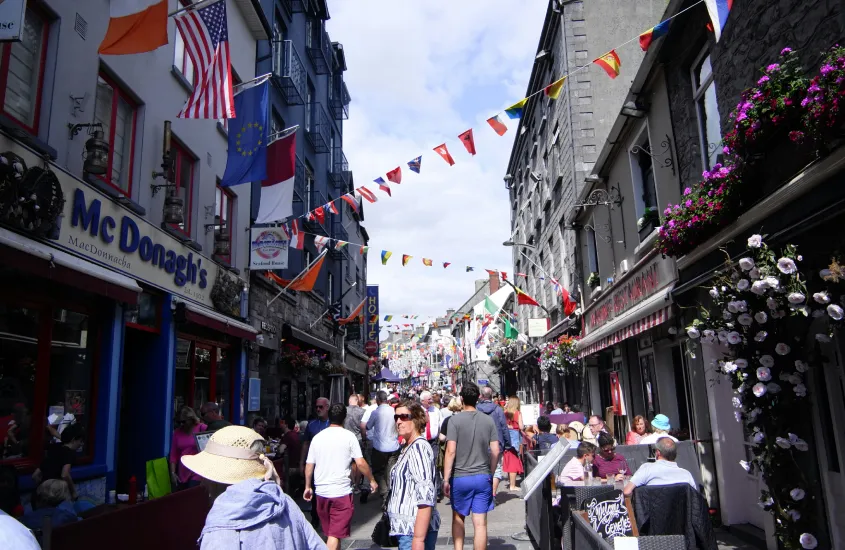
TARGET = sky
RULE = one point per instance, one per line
(419, 74)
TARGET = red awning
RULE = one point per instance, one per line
(216, 321)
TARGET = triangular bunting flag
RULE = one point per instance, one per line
(469, 143)
(405, 259)
(385, 255)
(653, 34)
(515, 110)
(470, 269)
(553, 89)
(610, 63)
(332, 208)
(367, 194)
(498, 126)
(320, 242)
(383, 186)
(444, 152)
(395, 175)
(350, 200)
(426, 262)
(446, 264)
(338, 245)
(320, 214)
(415, 165)
(364, 250)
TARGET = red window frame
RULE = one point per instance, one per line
(179, 156)
(231, 198)
(5, 58)
(181, 68)
(118, 94)
(212, 376)
(46, 305)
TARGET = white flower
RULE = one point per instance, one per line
(767, 361)
(726, 315)
(759, 389)
(714, 293)
(745, 320)
(723, 336)
(742, 306)
(708, 336)
(732, 307)
(754, 273)
(761, 317)
(745, 465)
(801, 445)
(734, 337)
(801, 366)
(808, 541)
(767, 502)
(773, 387)
(782, 349)
(821, 297)
(729, 367)
(796, 298)
(746, 264)
(764, 374)
(743, 284)
(737, 402)
(755, 241)
(738, 416)
(824, 338)
(771, 303)
(693, 333)
(760, 336)
(783, 443)
(824, 273)
(772, 282)
(787, 266)
(759, 437)
(759, 287)
(797, 494)
(794, 515)
(741, 363)
(800, 390)
(835, 312)
(755, 413)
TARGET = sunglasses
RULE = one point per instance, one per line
(402, 417)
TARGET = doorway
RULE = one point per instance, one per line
(203, 374)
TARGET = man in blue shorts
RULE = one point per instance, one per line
(472, 452)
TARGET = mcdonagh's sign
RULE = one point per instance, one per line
(632, 290)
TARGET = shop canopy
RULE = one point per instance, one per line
(386, 375)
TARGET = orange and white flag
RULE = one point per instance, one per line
(135, 26)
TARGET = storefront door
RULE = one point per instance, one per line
(203, 374)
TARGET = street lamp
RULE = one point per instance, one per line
(511, 243)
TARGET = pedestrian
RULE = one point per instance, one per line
(293, 448)
(495, 412)
(328, 469)
(472, 453)
(312, 429)
(432, 431)
(512, 462)
(210, 413)
(544, 439)
(381, 429)
(249, 508)
(412, 508)
(354, 414)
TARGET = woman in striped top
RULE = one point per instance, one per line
(412, 506)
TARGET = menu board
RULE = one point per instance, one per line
(610, 515)
(530, 413)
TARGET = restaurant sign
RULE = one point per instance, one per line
(635, 288)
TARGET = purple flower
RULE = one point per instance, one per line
(726, 150)
(688, 203)
(741, 117)
(687, 191)
(762, 80)
(805, 101)
(774, 67)
(786, 51)
(827, 69)
(671, 223)
(814, 88)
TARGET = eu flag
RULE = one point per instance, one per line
(247, 159)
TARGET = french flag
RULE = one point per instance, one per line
(719, 10)
(277, 190)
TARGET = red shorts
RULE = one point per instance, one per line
(335, 515)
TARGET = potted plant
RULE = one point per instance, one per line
(593, 280)
(647, 223)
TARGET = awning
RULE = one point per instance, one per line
(50, 263)
(300, 334)
(647, 315)
(201, 315)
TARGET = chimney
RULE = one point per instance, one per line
(494, 282)
(450, 312)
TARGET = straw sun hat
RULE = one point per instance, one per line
(229, 457)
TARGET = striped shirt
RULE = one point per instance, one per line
(411, 486)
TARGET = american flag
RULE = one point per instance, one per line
(206, 37)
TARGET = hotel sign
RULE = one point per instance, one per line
(371, 326)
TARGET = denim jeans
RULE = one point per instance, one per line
(406, 540)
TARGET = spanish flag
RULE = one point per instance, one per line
(405, 259)
(135, 26)
(653, 34)
(610, 63)
(515, 110)
(426, 262)
(553, 90)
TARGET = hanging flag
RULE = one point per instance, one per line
(718, 10)
(470, 269)
(319, 214)
(388, 318)
(427, 262)
(524, 299)
(383, 186)
(206, 37)
(297, 239)
(504, 275)
(492, 272)
(415, 165)
(385, 255)
(446, 264)
(610, 63)
(653, 34)
(498, 126)
(553, 90)
(276, 199)
(304, 282)
(569, 305)
(350, 200)
(338, 245)
(320, 242)
(490, 306)
(395, 175)
(364, 250)
(367, 194)
(469, 143)
(135, 26)
(331, 208)
(246, 160)
(444, 152)
(405, 259)
(354, 315)
(515, 110)
(510, 331)
(522, 275)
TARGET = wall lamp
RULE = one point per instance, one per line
(96, 148)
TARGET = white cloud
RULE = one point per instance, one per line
(420, 73)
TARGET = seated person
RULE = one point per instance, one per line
(545, 440)
(660, 426)
(61, 457)
(52, 499)
(663, 471)
(608, 464)
(574, 469)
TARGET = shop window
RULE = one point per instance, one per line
(224, 209)
(183, 171)
(22, 72)
(117, 112)
(203, 374)
(47, 367)
(707, 110)
(146, 315)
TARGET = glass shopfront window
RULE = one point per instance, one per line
(203, 374)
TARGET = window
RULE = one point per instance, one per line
(224, 208)
(277, 124)
(309, 107)
(203, 374)
(183, 170)
(183, 62)
(47, 368)
(279, 34)
(330, 291)
(146, 315)
(642, 174)
(592, 251)
(117, 112)
(707, 109)
(22, 72)
(309, 185)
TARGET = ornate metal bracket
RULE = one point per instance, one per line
(74, 129)
(604, 227)
(602, 197)
(667, 150)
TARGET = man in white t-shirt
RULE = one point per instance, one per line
(663, 471)
(329, 465)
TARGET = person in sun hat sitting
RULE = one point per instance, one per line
(661, 426)
(249, 508)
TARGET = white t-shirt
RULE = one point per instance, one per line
(332, 452)
(651, 439)
(368, 410)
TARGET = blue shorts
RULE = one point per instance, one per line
(473, 494)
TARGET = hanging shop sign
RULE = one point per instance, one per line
(633, 289)
(12, 13)
(254, 396)
(538, 327)
(353, 331)
(371, 327)
(268, 248)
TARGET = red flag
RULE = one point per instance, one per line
(297, 239)
(348, 199)
(468, 142)
(446, 264)
(444, 152)
(333, 208)
(497, 125)
(395, 175)
(569, 306)
(524, 299)
(367, 194)
(504, 274)
(320, 214)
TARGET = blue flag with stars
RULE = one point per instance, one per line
(248, 133)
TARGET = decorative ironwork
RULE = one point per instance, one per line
(604, 227)
(226, 294)
(31, 198)
(667, 150)
(289, 72)
(602, 197)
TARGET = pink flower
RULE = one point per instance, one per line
(773, 68)
(762, 81)
(786, 51)
(826, 69)
(796, 136)
(687, 191)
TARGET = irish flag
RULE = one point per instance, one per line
(135, 26)
(277, 190)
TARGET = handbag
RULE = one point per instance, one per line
(381, 532)
(516, 439)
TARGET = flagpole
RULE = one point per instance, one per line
(282, 134)
(196, 6)
(297, 277)
(258, 80)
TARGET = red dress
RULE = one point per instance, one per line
(512, 463)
